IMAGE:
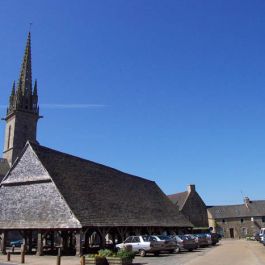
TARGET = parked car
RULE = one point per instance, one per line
(262, 235)
(142, 245)
(215, 238)
(16, 243)
(262, 240)
(209, 238)
(256, 236)
(170, 244)
(185, 242)
(202, 240)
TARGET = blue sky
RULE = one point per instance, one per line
(172, 90)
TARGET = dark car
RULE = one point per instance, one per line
(16, 243)
(189, 242)
(215, 238)
(202, 240)
(170, 245)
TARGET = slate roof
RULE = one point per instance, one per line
(254, 208)
(179, 198)
(96, 195)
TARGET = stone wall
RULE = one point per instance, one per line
(195, 210)
(237, 227)
(20, 127)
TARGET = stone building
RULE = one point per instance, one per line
(51, 195)
(192, 206)
(237, 221)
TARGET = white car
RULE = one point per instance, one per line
(142, 245)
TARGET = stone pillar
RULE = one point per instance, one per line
(39, 244)
(3, 242)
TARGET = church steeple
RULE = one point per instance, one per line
(25, 80)
(21, 97)
(23, 110)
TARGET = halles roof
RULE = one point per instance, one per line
(179, 198)
(31, 200)
(252, 209)
(99, 195)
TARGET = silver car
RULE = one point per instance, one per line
(142, 245)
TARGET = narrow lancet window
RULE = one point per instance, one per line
(9, 135)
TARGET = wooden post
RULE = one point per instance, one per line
(3, 243)
(22, 253)
(59, 257)
(78, 243)
(29, 241)
(8, 256)
(83, 260)
(13, 248)
(39, 244)
(52, 240)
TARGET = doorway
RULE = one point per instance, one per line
(232, 233)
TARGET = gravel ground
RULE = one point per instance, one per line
(228, 252)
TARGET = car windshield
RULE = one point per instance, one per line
(128, 240)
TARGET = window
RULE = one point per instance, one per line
(263, 219)
(136, 239)
(128, 240)
(241, 220)
(244, 231)
(9, 135)
(223, 221)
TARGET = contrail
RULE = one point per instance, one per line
(66, 106)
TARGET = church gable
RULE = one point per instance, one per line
(27, 169)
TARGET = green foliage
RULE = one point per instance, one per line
(123, 253)
(105, 253)
(94, 256)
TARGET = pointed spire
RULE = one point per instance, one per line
(35, 90)
(12, 98)
(25, 80)
(22, 98)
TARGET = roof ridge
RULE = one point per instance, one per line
(32, 144)
(177, 193)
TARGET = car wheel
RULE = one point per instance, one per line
(177, 249)
(156, 253)
(171, 251)
(190, 249)
(142, 252)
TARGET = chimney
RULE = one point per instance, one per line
(191, 188)
(247, 201)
